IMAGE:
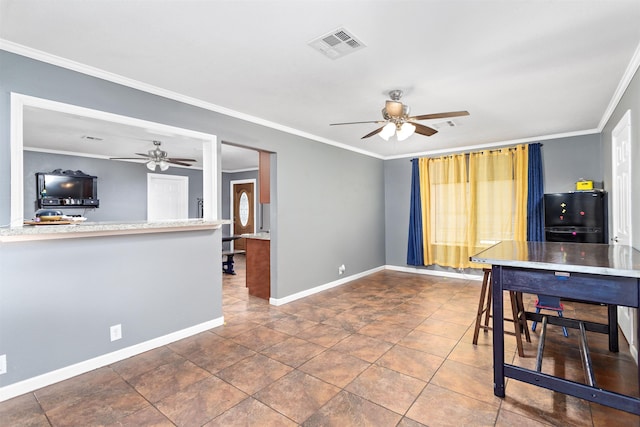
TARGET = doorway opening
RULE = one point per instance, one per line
(249, 200)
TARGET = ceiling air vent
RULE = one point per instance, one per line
(336, 43)
(92, 138)
(445, 124)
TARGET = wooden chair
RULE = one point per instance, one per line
(517, 310)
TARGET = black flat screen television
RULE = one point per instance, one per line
(66, 188)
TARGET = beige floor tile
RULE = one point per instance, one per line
(168, 379)
(251, 412)
(105, 406)
(363, 347)
(387, 388)
(347, 409)
(254, 373)
(429, 343)
(441, 407)
(200, 402)
(293, 351)
(414, 363)
(334, 367)
(297, 395)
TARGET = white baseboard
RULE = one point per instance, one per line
(308, 292)
(35, 383)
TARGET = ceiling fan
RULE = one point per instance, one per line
(397, 119)
(158, 157)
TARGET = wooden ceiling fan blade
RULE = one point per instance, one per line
(440, 115)
(355, 123)
(424, 130)
(375, 132)
(173, 161)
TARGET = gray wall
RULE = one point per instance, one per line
(327, 209)
(565, 161)
(60, 297)
(122, 186)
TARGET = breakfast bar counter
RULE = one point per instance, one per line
(49, 231)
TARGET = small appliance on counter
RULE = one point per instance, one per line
(48, 215)
(54, 217)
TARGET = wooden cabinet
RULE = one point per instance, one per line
(264, 166)
(259, 267)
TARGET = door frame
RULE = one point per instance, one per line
(232, 183)
(626, 315)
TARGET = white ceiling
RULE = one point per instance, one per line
(525, 70)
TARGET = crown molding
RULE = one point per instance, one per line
(9, 46)
(631, 70)
(135, 84)
(496, 144)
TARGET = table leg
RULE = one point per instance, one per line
(613, 328)
(498, 332)
(638, 334)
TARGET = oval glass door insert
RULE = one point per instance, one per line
(244, 209)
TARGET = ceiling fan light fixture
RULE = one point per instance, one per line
(387, 131)
(394, 108)
(151, 165)
(397, 119)
(405, 131)
(163, 165)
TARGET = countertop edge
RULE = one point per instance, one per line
(257, 236)
(72, 231)
(606, 271)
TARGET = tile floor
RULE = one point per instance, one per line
(391, 349)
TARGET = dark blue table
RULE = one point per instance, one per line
(600, 273)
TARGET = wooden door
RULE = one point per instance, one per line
(243, 211)
(621, 213)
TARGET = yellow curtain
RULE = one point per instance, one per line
(498, 195)
(521, 175)
(425, 200)
(445, 212)
(462, 214)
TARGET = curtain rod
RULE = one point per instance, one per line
(491, 151)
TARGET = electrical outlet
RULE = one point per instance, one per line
(3, 364)
(341, 269)
(116, 332)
